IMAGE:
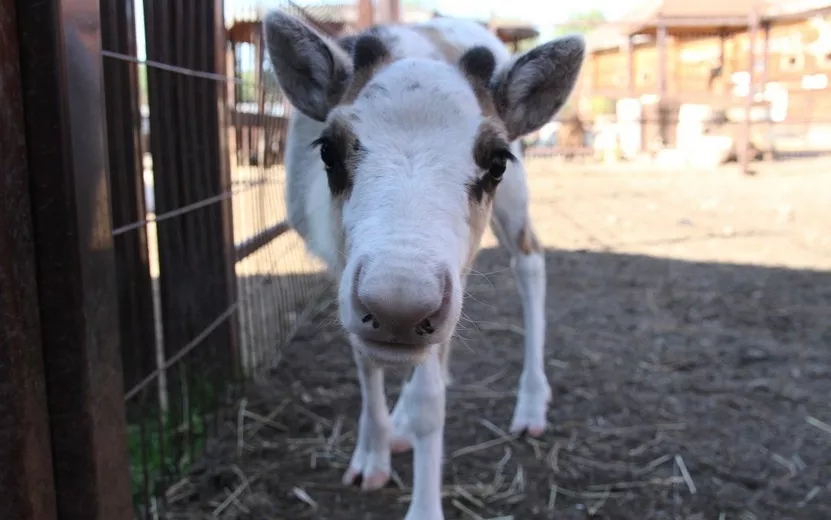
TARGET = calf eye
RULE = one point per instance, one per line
(328, 154)
(499, 163)
(335, 168)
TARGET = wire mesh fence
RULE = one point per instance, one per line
(211, 280)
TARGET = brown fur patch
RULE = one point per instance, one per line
(483, 96)
(362, 75)
(490, 137)
(480, 84)
(452, 54)
(340, 134)
(528, 242)
(489, 140)
(480, 215)
(360, 80)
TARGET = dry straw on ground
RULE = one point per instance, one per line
(689, 349)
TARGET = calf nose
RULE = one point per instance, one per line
(396, 306)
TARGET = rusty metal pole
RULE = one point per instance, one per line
(745, 141)
(27, 487)
(64, 115)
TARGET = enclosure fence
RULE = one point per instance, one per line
(146, 267)
(165, 271)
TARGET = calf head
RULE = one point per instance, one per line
(414, 150)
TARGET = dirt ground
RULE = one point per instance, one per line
(688, 347)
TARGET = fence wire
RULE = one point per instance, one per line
(211, 280)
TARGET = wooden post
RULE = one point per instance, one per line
(661, 42)
(366, 14)
(745, 142)
(395, 11)
(388, 11)
(259, 85)
(231, 101)
(60, 57)
(663, 57)
(630, 66)
(763, 74)
(27, 488)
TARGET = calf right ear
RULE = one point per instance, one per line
(533, 87)
(313, 71)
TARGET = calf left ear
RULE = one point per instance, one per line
(532, 87)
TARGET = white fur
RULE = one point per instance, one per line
(406, 226)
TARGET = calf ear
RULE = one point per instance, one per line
(312, 70)
(532, 87)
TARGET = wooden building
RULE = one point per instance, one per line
(700, 52)
(742, 76)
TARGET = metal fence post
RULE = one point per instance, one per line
(27, 489)
(66, 144)
(127, 191)
(192, 185)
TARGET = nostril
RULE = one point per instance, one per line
(425, 327)
(370, 317)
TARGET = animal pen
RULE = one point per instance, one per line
(163, 271)
(148, 281)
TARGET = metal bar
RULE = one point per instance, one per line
(172, 68)
(65, 135)
(187, 117)
(260, 240)
(184, 351)
(218, 39)
(28, 488)
(127, 191)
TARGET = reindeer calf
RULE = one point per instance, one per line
(402, 148)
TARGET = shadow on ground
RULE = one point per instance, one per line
(681, 390)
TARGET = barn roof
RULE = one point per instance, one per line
(695, 17)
